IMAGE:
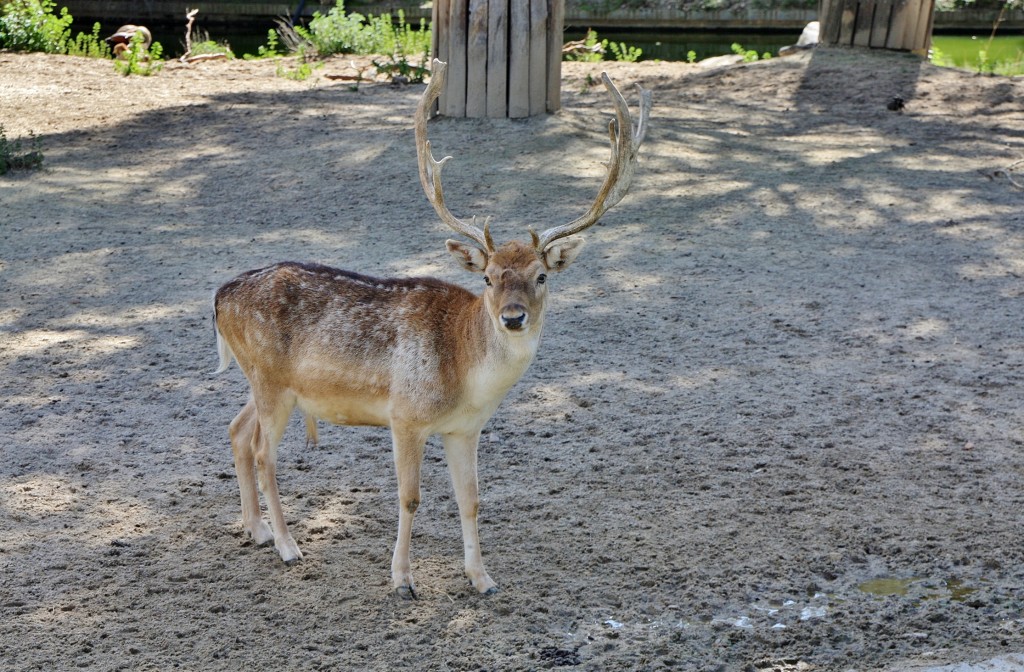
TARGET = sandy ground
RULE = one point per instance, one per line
(775, 424)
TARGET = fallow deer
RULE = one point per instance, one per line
(418, 355)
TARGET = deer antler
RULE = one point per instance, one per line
(430, 169)
(625, 145)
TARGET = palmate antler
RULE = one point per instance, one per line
(625, 145)
(625, 142)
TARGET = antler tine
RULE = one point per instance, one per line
(625, 145)
(430, 169)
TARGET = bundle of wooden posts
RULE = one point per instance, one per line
(504, 56)
(904, 25)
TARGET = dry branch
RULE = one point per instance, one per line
(1005, 172)
(190, 14)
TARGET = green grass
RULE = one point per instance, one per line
(1002, 55)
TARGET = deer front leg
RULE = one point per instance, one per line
(460, 451)
(408, 447)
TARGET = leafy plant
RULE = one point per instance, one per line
(271, 50)
(89, 44)
(14, 157)
(341, 33)
(622, 52)
(211, 47)
(749, 55)
(398, 65)
(30, 25)
(587, 50)
(591, 50)
(302, 72)
(138, 60)
(199, 44)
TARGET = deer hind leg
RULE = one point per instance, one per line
(245, 435)
(408, 448)
(460, 452)
(273, 412)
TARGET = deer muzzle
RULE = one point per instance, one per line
(514, 317)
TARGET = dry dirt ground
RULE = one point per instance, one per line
(775, 423)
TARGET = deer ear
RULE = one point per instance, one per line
(559, 255)
(471, 257)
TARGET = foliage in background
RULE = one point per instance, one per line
(300, 73)
(406, 48)
(984, 59)
(951, 5)
(398, 66)
(592, 50)
(271, 50)
(203, 45)
(138, 60)
(341, 33)
(608, 6)
(13, 157)
(622, 51)
(31, 25)
(749, 55)
(90, 45)
(587, 50)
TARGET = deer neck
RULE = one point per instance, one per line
(501, 358)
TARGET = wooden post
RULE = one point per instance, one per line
(504, 56)
(903, 25)
(497, 61)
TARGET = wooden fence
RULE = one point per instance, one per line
(504, 56)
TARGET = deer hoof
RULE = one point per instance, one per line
(261, 533)
(406, 592)
(289, 551)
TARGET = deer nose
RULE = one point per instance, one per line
(513, 317)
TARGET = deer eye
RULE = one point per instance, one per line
(487, 281)
(542, 278)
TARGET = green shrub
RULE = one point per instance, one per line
(592, 50)
(622, 52)
(341, 33)
(30, 25)
(208, 46)
(271, 50)
(89, 44)
(749, 55)
(589, 50)
(398, 65)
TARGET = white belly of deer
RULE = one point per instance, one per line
(372, 412)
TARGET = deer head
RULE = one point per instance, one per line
(516, 272)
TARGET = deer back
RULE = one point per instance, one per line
(329, 335)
